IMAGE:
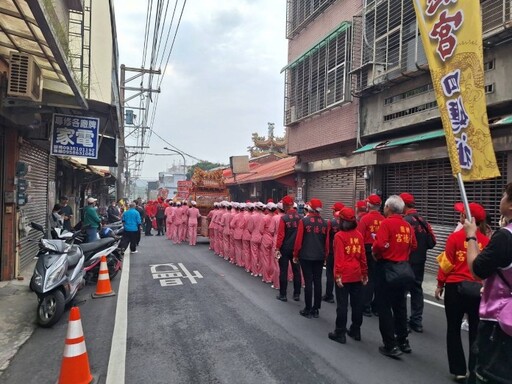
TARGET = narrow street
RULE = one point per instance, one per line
(221, 326)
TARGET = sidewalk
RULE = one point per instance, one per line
(18, 305)
(17, 315)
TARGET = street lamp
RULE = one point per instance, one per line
(181, 154)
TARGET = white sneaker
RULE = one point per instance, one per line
(134, 251)
(465, 325)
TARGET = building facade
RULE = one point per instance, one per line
(397, 139)
(54, 58)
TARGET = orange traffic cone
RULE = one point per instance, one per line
(75, 362)
(103, 288)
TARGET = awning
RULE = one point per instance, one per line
(386, 144)
(343, 26)
(265, 172)
(25, 26)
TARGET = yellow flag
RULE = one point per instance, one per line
(451, 31)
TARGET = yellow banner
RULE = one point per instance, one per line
(451, 31)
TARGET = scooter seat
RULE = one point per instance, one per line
(74, 255)
(97, 245)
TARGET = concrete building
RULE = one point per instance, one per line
(55, 57)
(388, 128)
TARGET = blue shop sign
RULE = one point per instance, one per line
(75, 136)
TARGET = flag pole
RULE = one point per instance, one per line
(464, 196)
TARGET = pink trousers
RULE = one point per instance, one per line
(192, 234)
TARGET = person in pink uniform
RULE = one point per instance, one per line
(184, 221)
(234, 211)
(218, 230)
(226, 220)
(268, 229)
(246, 236)
(168, 218)
(193, 218)
(256, 237)
(209, 219)
(176, 222)
(275, 262)
(238, 231)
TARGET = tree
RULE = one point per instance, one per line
(204, 165)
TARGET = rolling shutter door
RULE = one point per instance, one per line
(345, 185)
(37, 207)
(435, 191)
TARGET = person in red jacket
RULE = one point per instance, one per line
(393, 243)
(350, 274)
(453, 270)
(368, 226)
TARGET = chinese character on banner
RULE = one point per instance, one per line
(444, 32)
(465, 152)
(458, 117)
(451, 83)
(75, 136)
(433, 5)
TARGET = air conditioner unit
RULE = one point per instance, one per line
(25, 78)
(376, 75)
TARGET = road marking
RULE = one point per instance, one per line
(433, 303)
(117, 359)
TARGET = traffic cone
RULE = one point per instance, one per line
(74, 368)
(103, 288)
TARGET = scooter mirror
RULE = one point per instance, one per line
(37, 227)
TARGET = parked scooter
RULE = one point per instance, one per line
(58, 275)
(93, 253)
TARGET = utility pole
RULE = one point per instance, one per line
(123, 168)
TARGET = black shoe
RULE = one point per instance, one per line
(306, 313)
(390, 352)
(296, 297)
(281, 298)
(328, 299)
(367, 313)
(405, 347)
(416, 327)
(355, 334)
(338, 337)
(315, 313)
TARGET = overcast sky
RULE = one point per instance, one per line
(223, 81)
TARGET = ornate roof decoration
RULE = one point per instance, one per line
(271, 144)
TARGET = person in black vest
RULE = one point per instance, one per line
(160, 217)
(329, 264)
(286, 235)
(311, 249)
(417, 259)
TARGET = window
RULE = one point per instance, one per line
(300, 12)
(489, 88)
(489, 65)
(317, 79)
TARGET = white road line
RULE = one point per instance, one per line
(433, 303)
(117, 359)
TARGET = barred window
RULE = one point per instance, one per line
(300, 12)
(317, 79)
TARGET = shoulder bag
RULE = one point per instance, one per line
(505, 316)
(398, 274)
(470, 289)
(431, 242)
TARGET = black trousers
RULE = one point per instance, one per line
(455, 306)
(160, 225)
(312, 271)
(329, 276)
(416, 292)
(355, 292)
(285, 259)
(148, 225)
(369, 303)
(138, 237)
(392, 308)
(129, 237)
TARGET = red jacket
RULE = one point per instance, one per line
(349, 256)
(369, 225)
(394, 240)
(456, 254)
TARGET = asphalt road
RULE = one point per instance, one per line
(227, 327)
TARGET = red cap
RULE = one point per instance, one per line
(407, 198)
(315, 204)
(361, 204)
(338, 206)
(374, 199)
(287, 200)
(347, 214)
(477, 211)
